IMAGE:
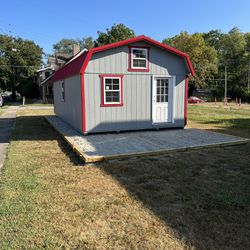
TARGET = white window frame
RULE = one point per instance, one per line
(105, 90)
(132, 58)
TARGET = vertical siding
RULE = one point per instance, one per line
(137, 90)
(69, 110)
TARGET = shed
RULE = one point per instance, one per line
(134, 84)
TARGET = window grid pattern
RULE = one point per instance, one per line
(139, 58)
(162, 90)
(112, 90)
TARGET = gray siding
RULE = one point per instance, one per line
(69, 110)
(136, 112)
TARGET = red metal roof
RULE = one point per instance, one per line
(71, 68)
(79, 64)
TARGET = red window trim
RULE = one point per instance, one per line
(102, 90)
(130, 69)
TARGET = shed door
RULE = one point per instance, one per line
(162, 100)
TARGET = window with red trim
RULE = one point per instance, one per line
(111, 90)
(138, 59)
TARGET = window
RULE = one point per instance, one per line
(138, 59)
(162, 90)
(63, 91)
(111, 88)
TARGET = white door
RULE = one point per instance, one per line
(162, 99)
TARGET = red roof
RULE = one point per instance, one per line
(79, 64)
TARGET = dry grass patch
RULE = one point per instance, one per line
(49, 200)
(186, 200)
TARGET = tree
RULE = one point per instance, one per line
(86, 43)
(213, 39)
(19, 60)
(117, 33)
(234, 56)
(65, 45)
(203, 56)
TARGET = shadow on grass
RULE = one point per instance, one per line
(236, 127)
(37, 128)
(231, 123)
(202, 195)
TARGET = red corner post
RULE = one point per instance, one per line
(83, 104)
(186, 100)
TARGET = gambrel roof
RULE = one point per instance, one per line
(78, 64)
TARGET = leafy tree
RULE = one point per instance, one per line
(28, 87)
(86, 43)
(117, 33)
(213, 38)
(234, 56)
(64, 45)
(203, 56)
(19, 60)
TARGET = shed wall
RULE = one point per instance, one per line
(136, 113)
(69, 110)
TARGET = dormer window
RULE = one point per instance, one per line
(138, 59)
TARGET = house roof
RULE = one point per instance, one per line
(78, 64)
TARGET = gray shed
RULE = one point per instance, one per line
(134, 84)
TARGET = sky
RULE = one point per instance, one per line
(48, 21)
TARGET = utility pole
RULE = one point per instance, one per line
(225, 95)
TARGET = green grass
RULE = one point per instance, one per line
(230, 119)
(188, 200)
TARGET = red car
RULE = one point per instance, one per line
(194, 99)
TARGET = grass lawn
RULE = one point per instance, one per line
(194, 200)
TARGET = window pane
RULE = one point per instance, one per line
(116, 97)
(139, 63)
(116, 81)
(116, 86)
(158, 98)
(139, 53)
(108, 87)
(166, 98)
(142, 63)
(108, 80)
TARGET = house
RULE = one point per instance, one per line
(46, 93)
(133, 84)
(44, 74)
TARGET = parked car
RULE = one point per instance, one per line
(194, 99)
